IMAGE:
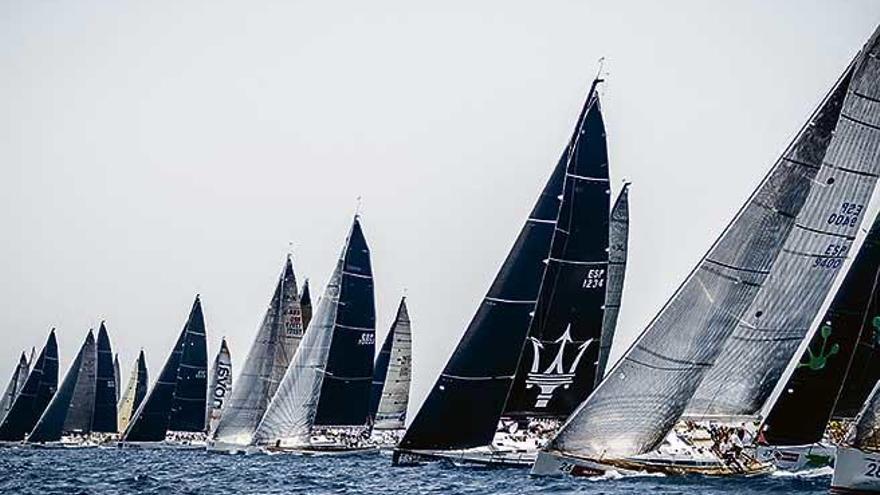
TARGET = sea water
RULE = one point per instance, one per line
(96, 471)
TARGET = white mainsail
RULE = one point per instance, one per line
(219, 387)
(267, 361)
(647, 391)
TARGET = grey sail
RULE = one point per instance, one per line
(770, 332)
(276, 343)
(19, 375)
(291, 413)
(394, 398)
(219, 387)
(134, 392)
(865, 431)
(72, 406)
(646, 392)
(618, 240)
(117, 377)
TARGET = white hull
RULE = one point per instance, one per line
(481, 456)
(856, 472)
(798, 457)
(557, 464)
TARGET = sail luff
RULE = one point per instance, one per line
(618, 240)
(646, 392)
(267, 361)
(72, 406)
(38, 389)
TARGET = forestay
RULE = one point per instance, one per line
(646, 392)
(267, 361)
(771, 330)
(618, 240)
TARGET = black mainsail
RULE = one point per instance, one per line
(165, 408)
(72, 406)
(557, 369)
(104, 419)
(618, 240)
(305, 301)
(392, 373)
(33, 398)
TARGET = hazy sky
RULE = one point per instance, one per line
(150, 151)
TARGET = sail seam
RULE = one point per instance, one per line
(356, 274)
(869, 98)
(738, 268)
(861, 122)
(801, 163)
(477, 378)
(853, 171)
(583, 177)
(510, 301)
(575, 262)
(833, 234)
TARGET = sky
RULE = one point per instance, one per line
(150, 151)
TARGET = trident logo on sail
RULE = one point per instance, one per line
(555, 375)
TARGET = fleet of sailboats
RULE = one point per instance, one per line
(765, 357)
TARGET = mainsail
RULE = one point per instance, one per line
(392, 374)
(134, 392)
(72, 407)
(219, 387)
(647, 391)
(799, 415)
(34, 396)
(276, 343)
(306, 303)
(865, 432)
(16, 383)
(177, 400)
(328, 382)
(618, 240)
(557, 369)
(779, 318)
(104, 419)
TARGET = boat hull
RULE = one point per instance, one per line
(322, 450)
(472, 457)
(856, 471)
(795, 458)
(555, 464)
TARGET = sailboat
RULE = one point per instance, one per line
(16, 383)
(858, 458)
(134, 393)
(72, 408)
(322, 404)
(173, 412)
(392, 374)
(762, 283)
(531, 351)
(274, 346)
(219, 387)
(31, 401)
(793, 433)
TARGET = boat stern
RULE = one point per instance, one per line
(856, 472)
(553, 464)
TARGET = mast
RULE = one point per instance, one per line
(34, 396)
(392, 375)
(152, 420)
(269, 357)
(104, 419)
(646, 392)
(72, 407)
(219, 388)
(328, 381)
(557, 369)
(618, 239)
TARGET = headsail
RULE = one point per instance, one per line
(392, 375)
(219, 387)
(33, 398)
(306, 303)
(799, 415)
(865, 432)
(328, 382)
(646, 392)
(276, 343)
(16, 383)
(134, 392)
(153, 418)
(557, 369)
(72, 407)
(618, 240)
(104, 419)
